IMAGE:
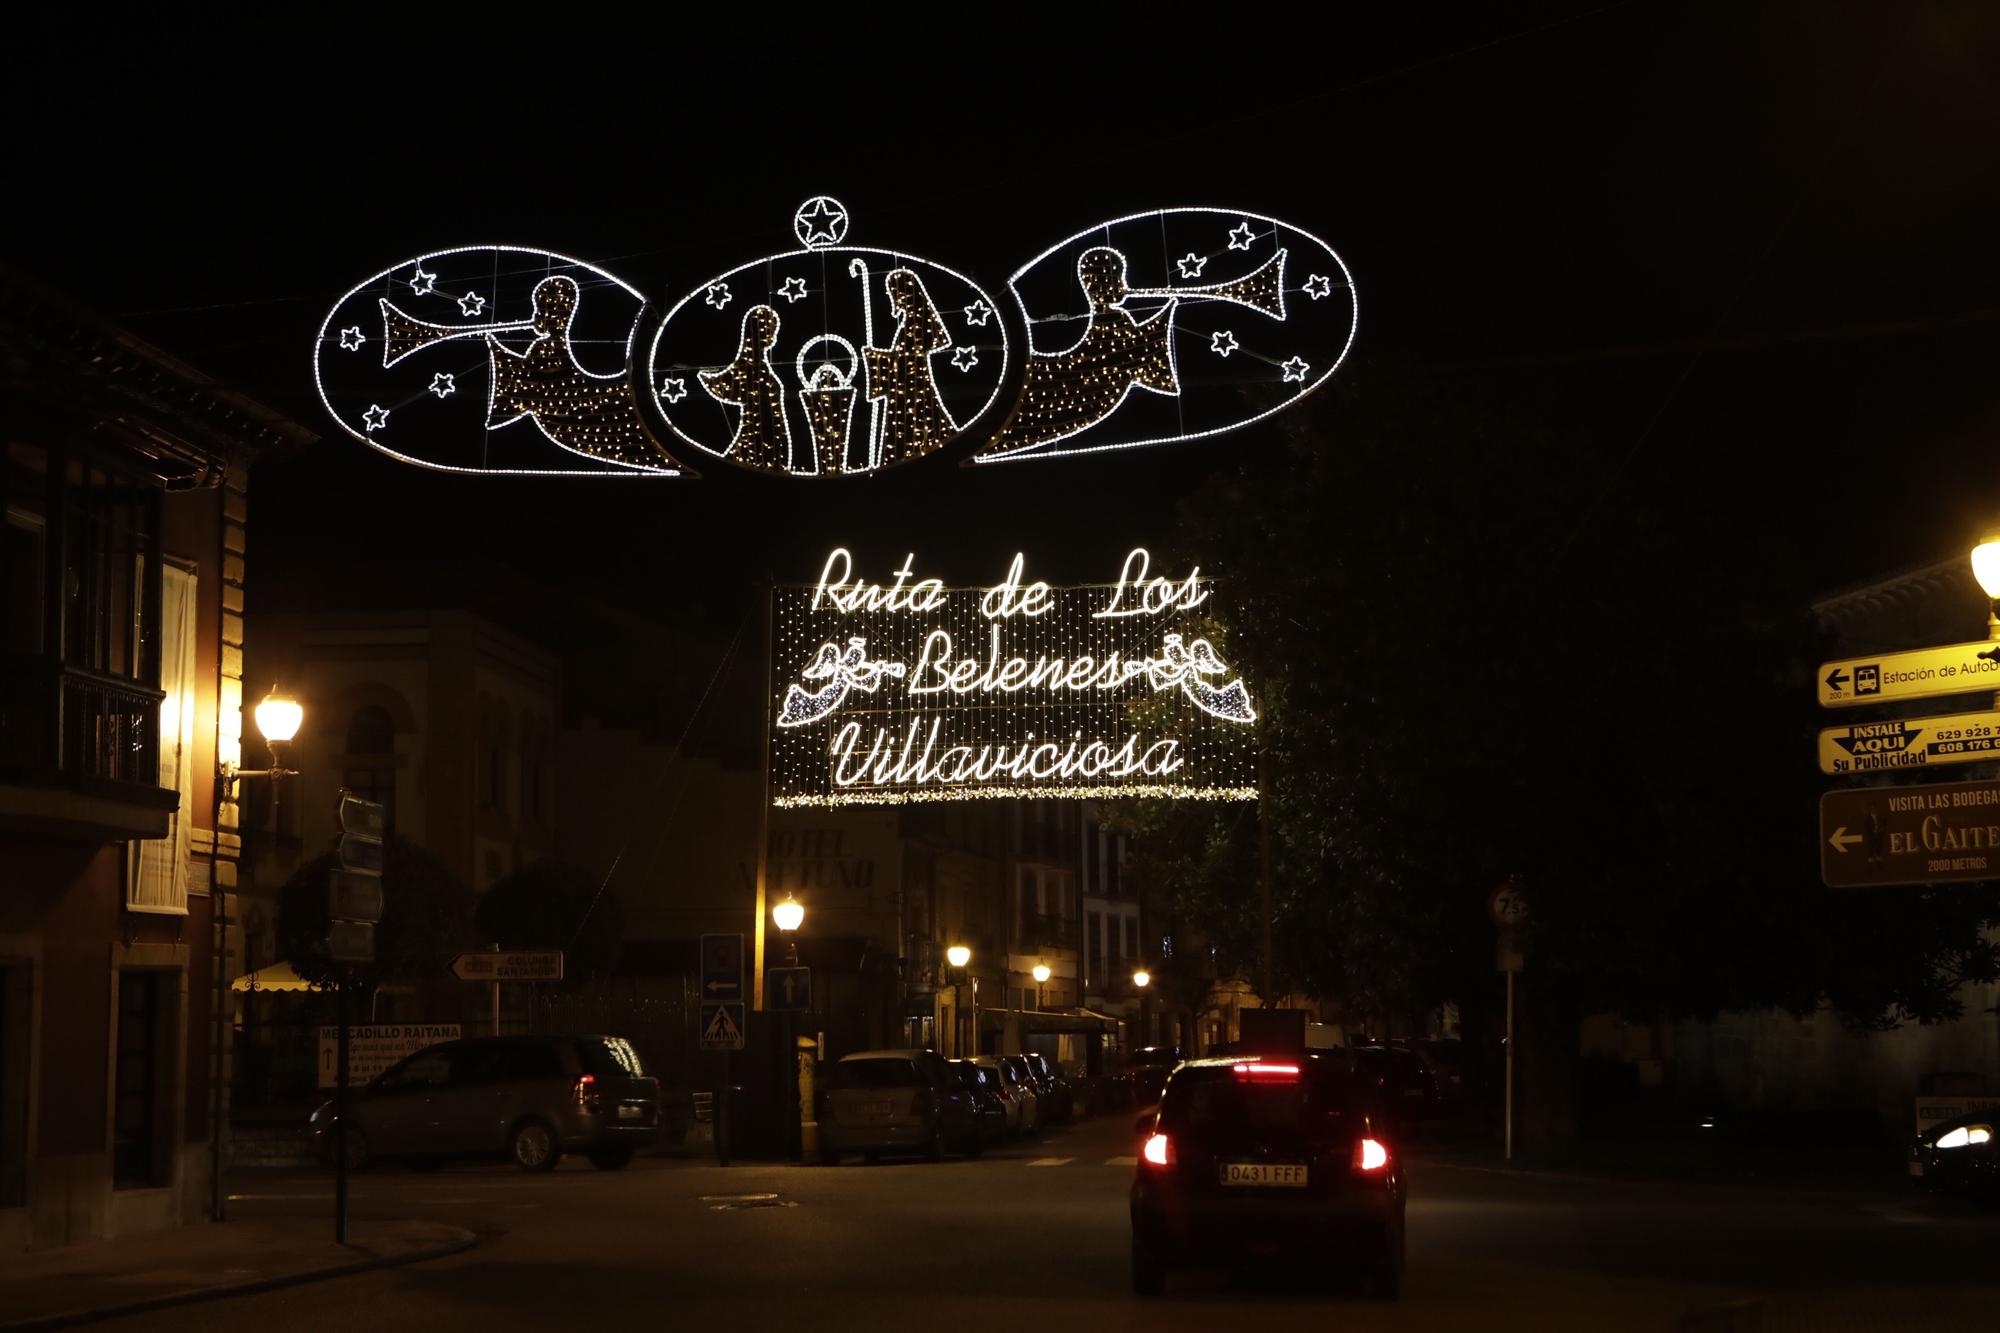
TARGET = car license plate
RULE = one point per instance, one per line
(1281, 1175)
(1916, 1168)
(631, 1112)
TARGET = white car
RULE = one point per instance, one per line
(1024, 1109)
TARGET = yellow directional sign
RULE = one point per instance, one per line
(1957, 668)
(1911, 742)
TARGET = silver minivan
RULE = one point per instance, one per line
(525, 1099)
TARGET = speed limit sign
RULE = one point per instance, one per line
(1508, 906)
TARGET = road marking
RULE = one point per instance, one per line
(1121, 1161)
(1051, 1161)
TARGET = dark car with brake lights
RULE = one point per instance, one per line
(1281, 1159)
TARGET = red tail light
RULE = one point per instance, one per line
(1267, 1072)
(1370, 1155)
(1158, 1150)
(586, 1089)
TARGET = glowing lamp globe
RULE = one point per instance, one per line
(1041, 973)
(278, 718)
(1986, 566)
(1142, 978)
(958, 955)
(788, 914)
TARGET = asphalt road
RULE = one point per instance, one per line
(1035, 1236)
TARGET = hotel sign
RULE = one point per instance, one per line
(905, 690)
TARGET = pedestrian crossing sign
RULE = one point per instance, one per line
(722, 1027)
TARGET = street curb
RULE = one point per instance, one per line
(72, 1318)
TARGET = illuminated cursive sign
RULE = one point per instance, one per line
(902, 689)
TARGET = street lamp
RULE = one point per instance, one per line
(959, 956)
(789, 914)
(1142, 978)
(278, 719)
(1041, 976)
(1986, 568)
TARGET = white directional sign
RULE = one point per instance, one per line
(509, 965)
(1957, 668)
(1915, 742)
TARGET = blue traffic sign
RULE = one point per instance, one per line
(721, 968)
(788, 988)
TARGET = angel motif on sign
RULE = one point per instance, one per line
(842, 671)
(1185, 665)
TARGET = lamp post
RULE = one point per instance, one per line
(278, 719)
(788, 916)
(1141, 979)
(960, 957)
(1041, 976)
(1986, 568)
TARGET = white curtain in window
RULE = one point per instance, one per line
(158, 867)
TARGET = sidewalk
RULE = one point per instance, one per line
(1683, 1163)
(132, 1274)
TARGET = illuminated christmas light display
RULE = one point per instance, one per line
(893, 356)
(835, 359)
(1114, 319)
(888, 693)
(497, 359)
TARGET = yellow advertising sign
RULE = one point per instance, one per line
(1910, 742)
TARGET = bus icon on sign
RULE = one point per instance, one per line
(1868, 680)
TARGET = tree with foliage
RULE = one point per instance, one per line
(552, 905)
(426, 918)
(1471, 663)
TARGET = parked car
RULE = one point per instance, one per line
(526, 1099)
(989, 1103)
(1961, 1156)
(1408, 1088)
(1147, 1068)
(1282, 1160)
(1032, 1081)
(1024, 1112)
(876, 1102)
(1061, 1092)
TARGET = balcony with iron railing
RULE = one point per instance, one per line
(80, 752)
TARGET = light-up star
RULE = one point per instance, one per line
(718, 294)
(1295, 369)
(673, 388)
(1222, 343)
(1240, 236)
(793, 289)
(964, 358)
(423, 284)
(376, 417)
(1318, 286)
(472, 303)
(822, 221)
(352, 338)
(443, 384)
(1191, 264)
(978, 312)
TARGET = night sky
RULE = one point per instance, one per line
(1756, 240)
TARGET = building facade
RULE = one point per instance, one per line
(124, 494)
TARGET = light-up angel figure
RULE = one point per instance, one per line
(1185, 664)
(842, 671)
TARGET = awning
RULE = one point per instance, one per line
(1050, 1020)
(276, 977)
